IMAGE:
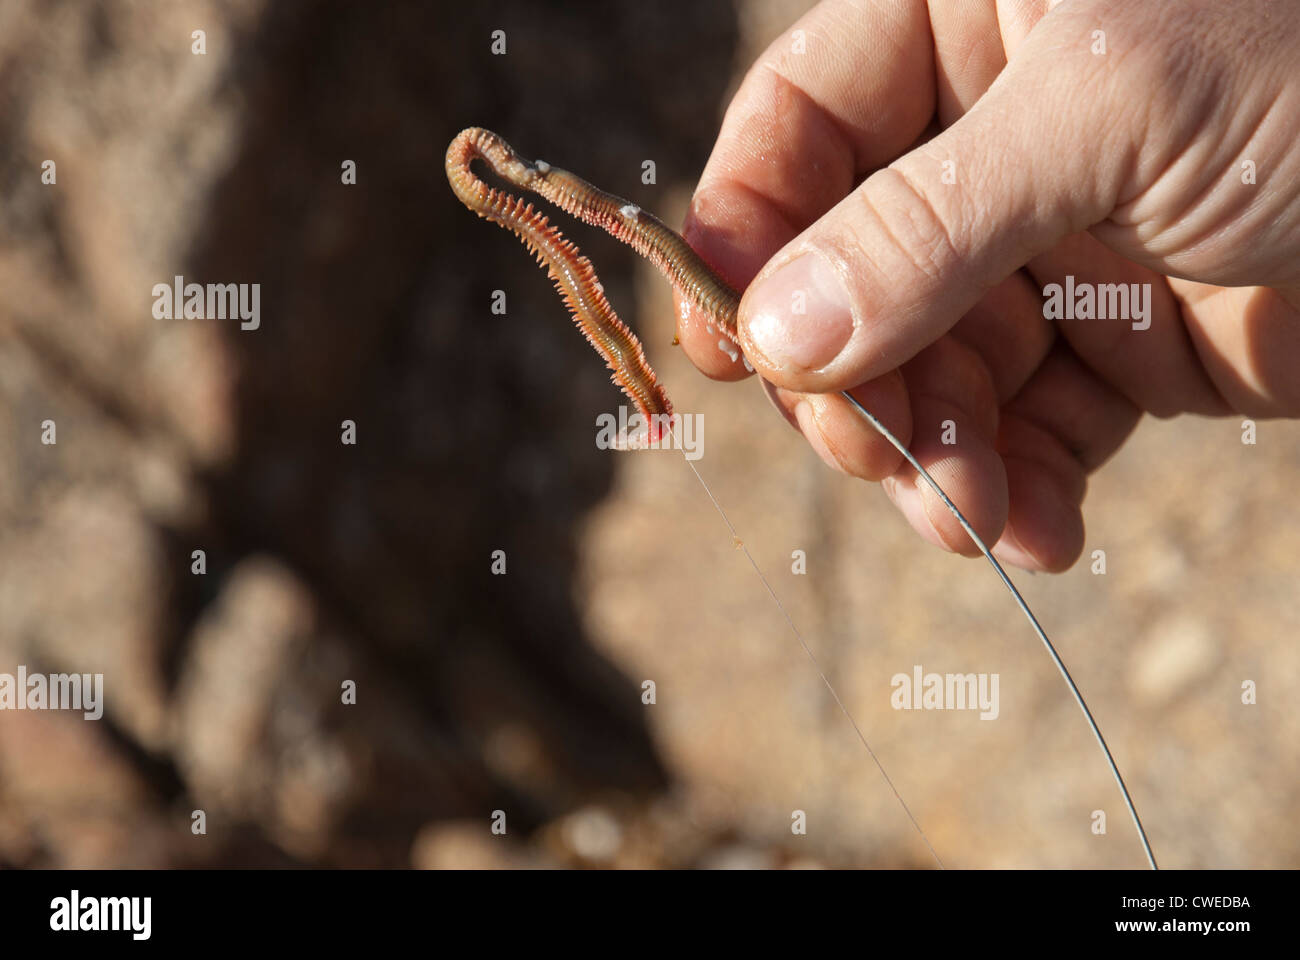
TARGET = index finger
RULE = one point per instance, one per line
(844, 91)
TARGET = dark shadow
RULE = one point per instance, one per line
(473, 431)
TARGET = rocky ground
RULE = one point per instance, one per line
(369, 563)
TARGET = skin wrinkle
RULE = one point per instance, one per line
(1094, 193)
(1190, 250)
(852, 251)
(1128, 211)
(1163, 220)
(943, 241)
(1184, 96)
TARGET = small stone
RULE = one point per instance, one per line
(1177, 653)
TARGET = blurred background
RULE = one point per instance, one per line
(371, 562)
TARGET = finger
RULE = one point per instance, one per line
(709, 348)
(1063, 425)
(839, 434)
(1124, 322)
(1007, 330)
(1089, 416)
(968, 54)
(1044, 531)
(954, 427)
(844, 91)
(897, 262)
(1248, 339)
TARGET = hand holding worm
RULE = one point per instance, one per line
(702, 295)
(903, 192)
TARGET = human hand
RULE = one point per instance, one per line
(1002, 153)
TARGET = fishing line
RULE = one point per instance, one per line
(1024, 608)
(808, 650)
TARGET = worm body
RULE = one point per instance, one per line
(573, 274)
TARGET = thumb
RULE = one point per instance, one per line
(896, 263)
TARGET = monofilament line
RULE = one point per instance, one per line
(1024, 607)
(808, 650)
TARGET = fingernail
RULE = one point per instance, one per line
(800, 316)
(803, 413)
(928, 502)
